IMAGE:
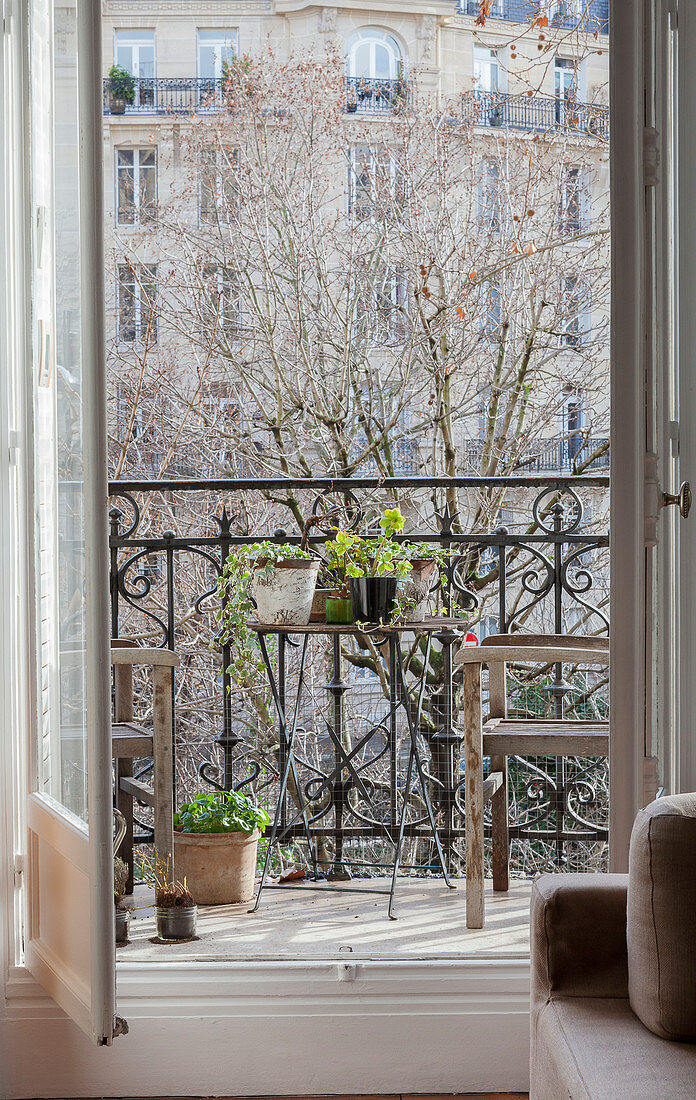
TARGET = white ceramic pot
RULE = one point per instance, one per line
(416, 587)
(284, 591)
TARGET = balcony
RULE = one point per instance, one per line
(552, 455)
(540, 114)
(544, 571)
(563, 13)
(366, 96)
(165, 95)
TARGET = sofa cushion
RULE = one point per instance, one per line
(661, 917)
(584, 1048)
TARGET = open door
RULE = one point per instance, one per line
(69, 936)
(653, 612)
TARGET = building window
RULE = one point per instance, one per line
(488, 73)
(137, 303)
(491, 311)
(221, 304)
(136, 186)
(573, 326)
(570, 213)
(381, 309)
(216, 49)
(488, 194)
(374, 73)
(375, 183)
(374, 55)
(218, 186)
(134, 51)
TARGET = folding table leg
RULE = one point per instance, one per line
(473, 787)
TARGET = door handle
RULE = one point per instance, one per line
(682, 499)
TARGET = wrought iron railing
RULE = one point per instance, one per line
(163, 95)
(551, 455)
(544, 571)
(541, 114)
(560, 13)
(365, 95)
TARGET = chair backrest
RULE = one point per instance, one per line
(555, 641)
(124, 655)
(499, 649)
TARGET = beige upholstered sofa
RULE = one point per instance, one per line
(614, 970)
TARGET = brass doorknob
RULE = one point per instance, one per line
(682, 499)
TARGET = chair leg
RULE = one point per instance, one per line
(124, 803)
(499, 817)
(163, 778)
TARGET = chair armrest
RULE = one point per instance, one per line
(578, 931)
(138, 655)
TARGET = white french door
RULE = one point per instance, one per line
(60, 507)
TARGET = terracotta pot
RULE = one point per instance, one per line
(318, 614)
(284, 591)
(416, 587)
(219, 868)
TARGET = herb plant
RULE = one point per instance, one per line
(226, 812)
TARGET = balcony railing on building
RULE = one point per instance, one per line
(544, 571)
(168, 95)
(551, 455)
(540, 114)
(560, 13)
(366, 95)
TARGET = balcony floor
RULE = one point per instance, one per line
(326, 924)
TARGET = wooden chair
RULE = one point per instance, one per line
(501, 737)
(130, 741)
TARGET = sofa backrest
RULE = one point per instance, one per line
(661, 917)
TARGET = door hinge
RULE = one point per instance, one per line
(651, 156)
(120, 1027)
(18, 867)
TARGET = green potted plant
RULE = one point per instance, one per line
(121, 90)
(279, 577)
(122, 915)
(373, 567)
(215, 846)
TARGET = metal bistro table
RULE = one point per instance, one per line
(346, 772)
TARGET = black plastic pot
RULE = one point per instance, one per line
(122, 925)
(176, 922)
(373, 598)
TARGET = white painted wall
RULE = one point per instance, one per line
(282, 1029)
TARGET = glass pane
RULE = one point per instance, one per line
(61, 751)
(382, 62)
(361, 60)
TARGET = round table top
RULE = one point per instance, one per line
(430, 625)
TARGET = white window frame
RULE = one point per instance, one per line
(230, 313)
(136, 150)
(490, 59)
(222, 37)
(220, 161)
(140, 305)
(375, 163)
(374, 37)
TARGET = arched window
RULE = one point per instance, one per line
(374, 55)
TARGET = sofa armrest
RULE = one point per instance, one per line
(578, 932)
